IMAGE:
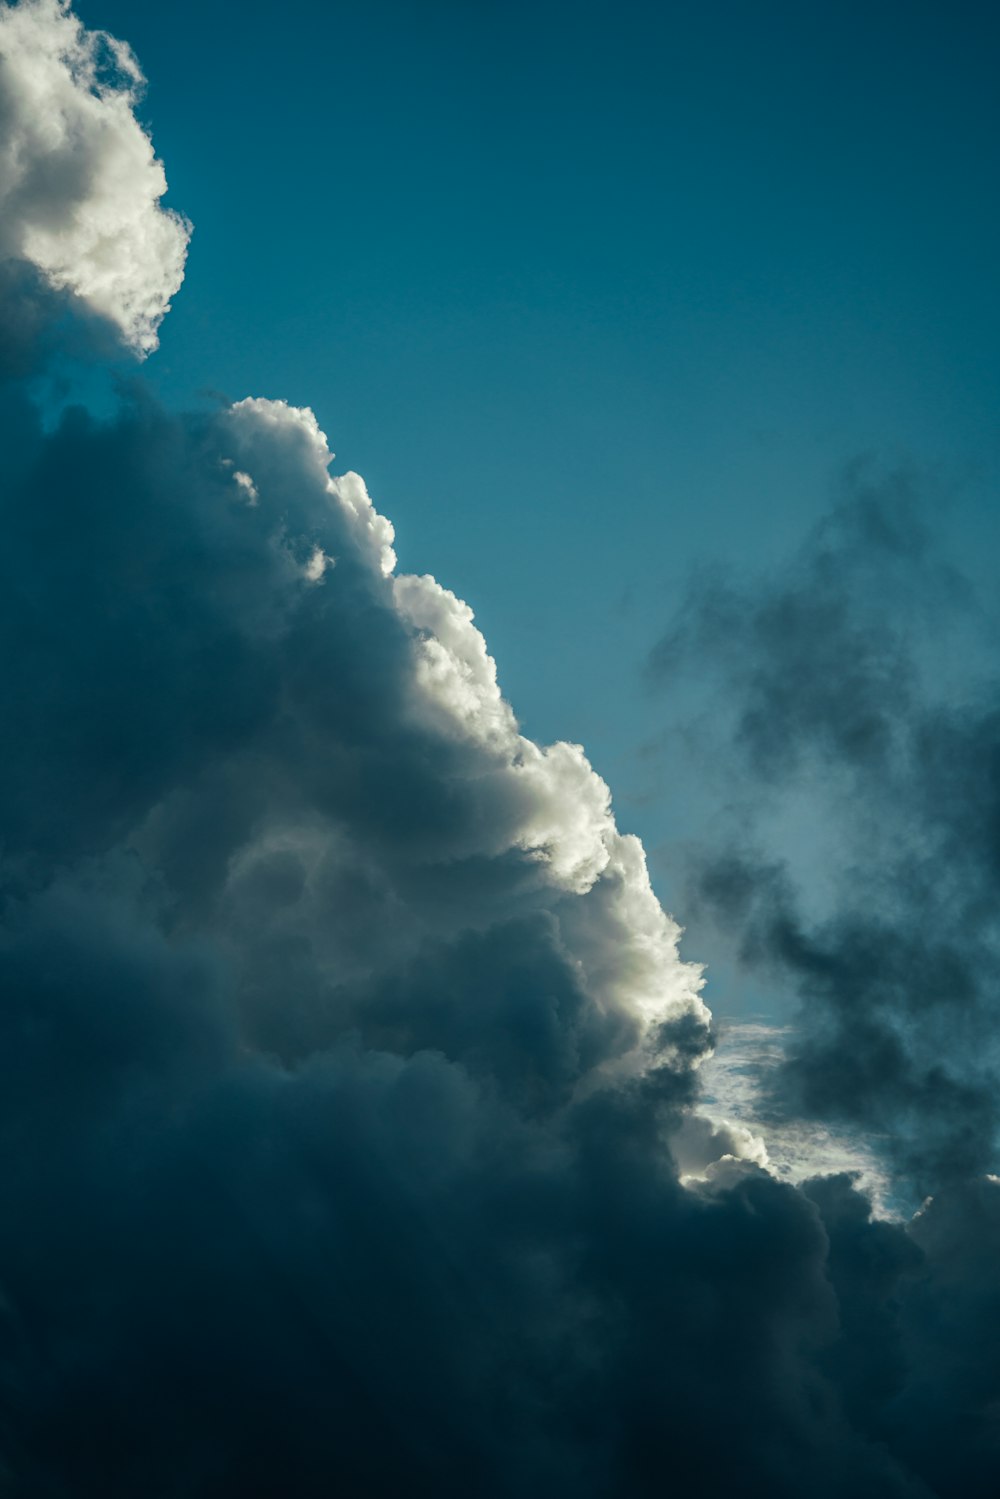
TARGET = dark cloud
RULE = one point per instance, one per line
(347, 1064)
(29, 311)
(851, 707)
(829, 688)
(344, 1046)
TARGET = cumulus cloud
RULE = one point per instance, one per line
(80, 187)
(348, 1065)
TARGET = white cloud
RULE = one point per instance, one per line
(246, 486)
(80, 187)
(543, 805)
(287, 439)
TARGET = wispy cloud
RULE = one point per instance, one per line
(857, 869)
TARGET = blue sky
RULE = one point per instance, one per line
(592, 295)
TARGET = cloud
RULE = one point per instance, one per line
(737, 1086)
(344, 1035)
(878, 912)
(80, 187)
(348, 1065)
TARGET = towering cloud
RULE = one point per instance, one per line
(346, 1056)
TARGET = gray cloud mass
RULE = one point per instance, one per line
(347, 1061)
(828, 690)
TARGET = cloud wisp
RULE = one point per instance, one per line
(349, 1069)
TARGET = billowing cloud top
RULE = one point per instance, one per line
(80, 187)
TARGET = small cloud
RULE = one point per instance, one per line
(317, 564)
(248, 487)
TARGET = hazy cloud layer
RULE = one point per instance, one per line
(347, 1062)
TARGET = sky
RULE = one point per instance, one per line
(592, 294)
(368, 1123)
(594, 298)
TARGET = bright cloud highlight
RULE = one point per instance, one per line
(80, 187)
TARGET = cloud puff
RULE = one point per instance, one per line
(80, 187)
